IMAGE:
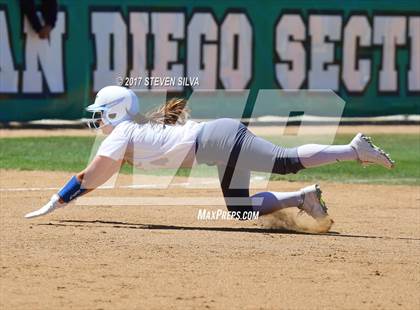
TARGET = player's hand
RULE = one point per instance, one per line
(53, 204)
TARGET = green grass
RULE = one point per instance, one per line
(72, 154)
(45, 153)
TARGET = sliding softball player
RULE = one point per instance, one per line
(166, 138)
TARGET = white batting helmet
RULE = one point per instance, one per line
(113, 105)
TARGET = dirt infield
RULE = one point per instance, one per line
(126, 257)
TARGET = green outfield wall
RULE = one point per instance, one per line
(368, 52)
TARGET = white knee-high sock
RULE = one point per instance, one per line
(314, 155)
(268, 202)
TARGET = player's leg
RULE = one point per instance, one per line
(235, 188)
(314, 155)
(257, 154)
(307, 199)
(359, 149)
(235, 178)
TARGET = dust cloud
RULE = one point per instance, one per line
(291, 220)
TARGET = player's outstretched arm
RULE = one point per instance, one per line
(96, 174)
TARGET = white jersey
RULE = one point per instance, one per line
(149, 146)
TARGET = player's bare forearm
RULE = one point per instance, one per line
(100, 170)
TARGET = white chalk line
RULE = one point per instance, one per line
(30, 189)
(138, 186)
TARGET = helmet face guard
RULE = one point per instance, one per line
(95, 121)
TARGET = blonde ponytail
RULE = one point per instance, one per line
(174, 111)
